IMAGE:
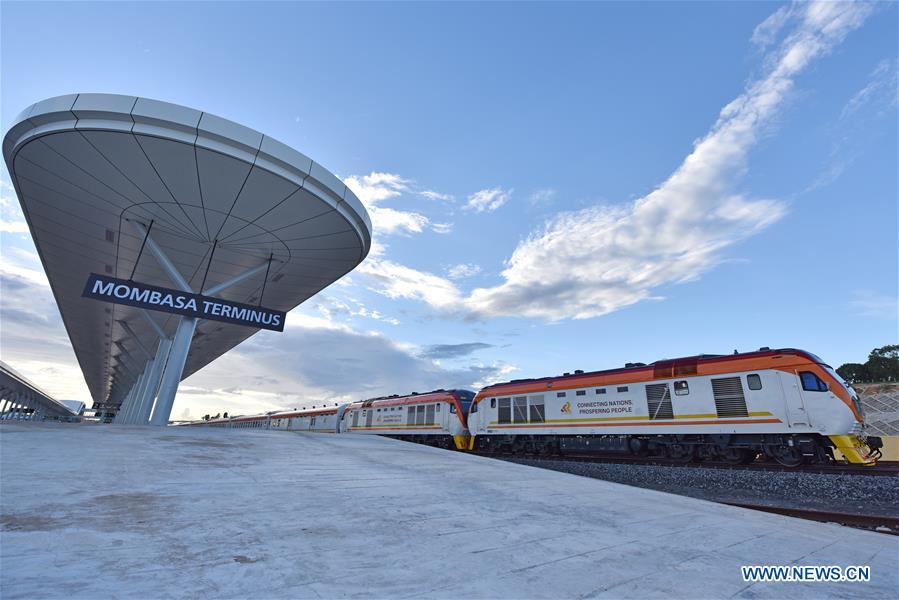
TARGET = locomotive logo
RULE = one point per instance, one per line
(566, 408)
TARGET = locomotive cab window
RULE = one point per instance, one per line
(754, 381)
(681, 388)
(493, 403)
(811, 383)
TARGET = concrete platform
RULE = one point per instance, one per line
(115, 511)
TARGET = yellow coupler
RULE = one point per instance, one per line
(853, 449)
(461, 441)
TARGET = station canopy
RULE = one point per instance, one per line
(92, 171)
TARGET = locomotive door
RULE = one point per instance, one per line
(794, 404)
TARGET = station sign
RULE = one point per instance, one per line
(151, 297)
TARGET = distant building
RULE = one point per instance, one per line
(76, 406)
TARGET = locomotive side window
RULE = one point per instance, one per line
(438, 407)
(811, 383)
(520, 414)
(601, 390)
(622, 389)
(754, 381)
(505, 410)
(560, 394)
(581, 393)
(493, 403)
(537, 409)
(681, 388)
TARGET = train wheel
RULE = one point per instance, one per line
(788, 456)
(738, 456)
(681, 452)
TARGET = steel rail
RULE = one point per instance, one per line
(880, 523)
(882, 469)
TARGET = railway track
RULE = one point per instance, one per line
(882, 469)
(879, 523)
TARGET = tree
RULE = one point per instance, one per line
(854, 373)
(205, 417)
(883, 363)
(225, 416)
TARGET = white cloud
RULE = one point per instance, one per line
(432, 195)
(868, 303)
(32, 337)
(544, 196)
(766, 32)
(878, 98)
(13, 226)
(882, 85)
(376, 187)
(11, 218)
(463, 270)
(399, 281)
(442, 227)
(594, 261)
(488, 200)
(330, 308)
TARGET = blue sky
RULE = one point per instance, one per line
(554, 186)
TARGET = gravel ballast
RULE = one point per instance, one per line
(826, 492)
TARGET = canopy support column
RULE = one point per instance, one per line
(153, 381)
(171, 377)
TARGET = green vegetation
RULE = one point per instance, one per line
(882, 365)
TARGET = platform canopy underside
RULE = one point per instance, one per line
(86, 166)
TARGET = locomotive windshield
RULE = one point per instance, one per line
(465, 398)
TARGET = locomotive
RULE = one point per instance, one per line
(786, 405)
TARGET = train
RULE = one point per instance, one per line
(785, 405)
(436, 418)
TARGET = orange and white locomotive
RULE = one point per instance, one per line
(785, 404)
(436, 418)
